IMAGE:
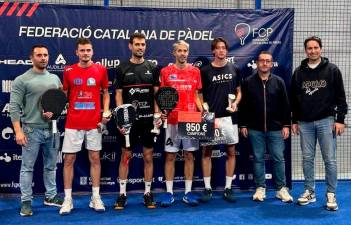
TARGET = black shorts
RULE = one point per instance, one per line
(140, 134)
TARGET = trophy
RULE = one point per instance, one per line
(155, 130)
(231, 98)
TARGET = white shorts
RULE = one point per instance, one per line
(72, 142)
(173, 143)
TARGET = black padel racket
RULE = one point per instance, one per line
(125, 115)
(54, 100)
(167, 99)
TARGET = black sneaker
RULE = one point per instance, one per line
(149, 201)
(207, 196)
(54, 201)
(228, 195)
(26, 208)
(121, 202)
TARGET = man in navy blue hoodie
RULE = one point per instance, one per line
(264, 118)
(318, 111)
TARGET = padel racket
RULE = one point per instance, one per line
(125, 115)
(54, 100)
(167, 99)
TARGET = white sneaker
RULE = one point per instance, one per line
(260, 194)
(66, 207)
(331, 202)
(306, 198)
(97, 204)
(283, 194)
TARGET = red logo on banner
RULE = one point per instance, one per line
(25, 7)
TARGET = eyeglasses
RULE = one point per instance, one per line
(267, 61)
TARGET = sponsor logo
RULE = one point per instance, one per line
(7, 133)
(242, 31)
(148, 73)
(78, 81)
(85, 95)
(60, 60)
(108, 156)
(16, 62)
(59, 157)
(91, 82)
(259, 35)
(59, 65)
(84, 105)
(6, 110)
(173, 76)
(11, 185)
(6, 86)
(155, 155)
(109, 63)
(5, 158)
(83, 180)
(197, 64)
(252, 64)
(138, 90)
(154, 61)
(222, 77)
(218, 154)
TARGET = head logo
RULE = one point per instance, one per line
(242, 31)
(6, 133)
(60, 60)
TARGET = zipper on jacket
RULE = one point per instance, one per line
(264, 82)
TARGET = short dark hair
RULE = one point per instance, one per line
(312, 38)
(265, 53)
(216, 41)
(136, 35)
(83, 41)
(37, 46)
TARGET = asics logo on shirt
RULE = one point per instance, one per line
(221, 77)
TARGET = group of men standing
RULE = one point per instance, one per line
(317, 102)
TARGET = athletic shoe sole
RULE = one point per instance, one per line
(283, 200)
(23, 214)
(308, 202)
(52, 204)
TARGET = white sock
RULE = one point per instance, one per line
(188, 184)
(68, 193)
(228, 182)
(169, 186)
(123, 187)
(207, 181)
(96, 191)
(147, 187)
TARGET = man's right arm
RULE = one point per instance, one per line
(16, 104)
(118, 97)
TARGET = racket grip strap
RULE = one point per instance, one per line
(165, 123)
(127, 141)
(54, 126)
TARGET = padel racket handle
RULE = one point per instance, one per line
(54, 126)
(127, 140)
(165, 123)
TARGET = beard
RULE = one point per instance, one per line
(138, 55)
